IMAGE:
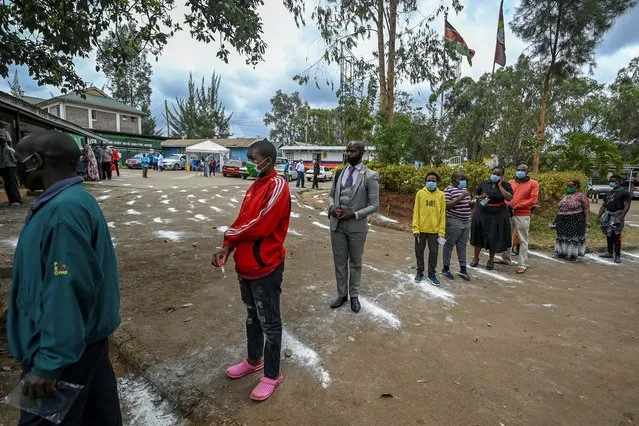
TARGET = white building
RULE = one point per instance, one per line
(330, 156)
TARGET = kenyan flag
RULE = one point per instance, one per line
(456, 42)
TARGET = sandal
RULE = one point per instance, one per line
(474, 263)
(490, 266)
(242, 369)
(265, 388)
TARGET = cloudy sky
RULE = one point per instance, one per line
(246, 91)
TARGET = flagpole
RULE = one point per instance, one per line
(441, 106)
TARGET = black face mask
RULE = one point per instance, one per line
(354, 161)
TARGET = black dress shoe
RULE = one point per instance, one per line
(338, 301)
(355, 306)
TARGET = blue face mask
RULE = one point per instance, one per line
(463, 184)
(431, 186)
(520, 174)
(495, 178)
(614, 184)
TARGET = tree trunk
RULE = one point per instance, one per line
(383, 90)
(541, 122)
(390, 77)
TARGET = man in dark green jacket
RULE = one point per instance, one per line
(65, 298)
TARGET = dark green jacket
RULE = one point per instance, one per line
(66, 292)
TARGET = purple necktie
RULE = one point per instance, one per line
(349, 178)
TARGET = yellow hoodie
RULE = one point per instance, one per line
(429, 214)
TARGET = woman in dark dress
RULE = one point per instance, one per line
(490, 226)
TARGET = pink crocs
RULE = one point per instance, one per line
(242, 369)
(265, 388)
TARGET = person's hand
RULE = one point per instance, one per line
(335, 211)
(346, 215)
(37, 387)
(466, 193)
(219, 258)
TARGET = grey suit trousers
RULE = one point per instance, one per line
(348, 249)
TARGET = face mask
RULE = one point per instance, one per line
(354, 161)
(495, 178)
(463, 184)
(571, 189)
(614, 184)
(520, 174)
(254, 169)
(431, 186)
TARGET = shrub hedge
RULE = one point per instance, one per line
(405, 178)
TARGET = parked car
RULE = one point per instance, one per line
(635, 192)
(134, 162)
(324, 174)
(232, 168)
(291, 175)
(175, 162)
(597, 191)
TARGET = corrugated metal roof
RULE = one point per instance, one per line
(227, 143)
(32, 100)
(318, 148)
(92, 100)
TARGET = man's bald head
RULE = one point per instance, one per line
(57, 150)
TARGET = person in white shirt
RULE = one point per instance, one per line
(300, 174)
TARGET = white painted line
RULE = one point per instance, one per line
(549, 305)
(165, 201)
(544, 256)
(231, 205)
(233, 200)
(386, 219)
(379, 314)
(190, 196)
(219, 196)
(371, 267)
(204, 190)
(159, 191)
(295, 233)
(126, 184)
(595, 258)
(133, 212)
(321, 225)
(172, 210)
(202, 201)
(217, 209)
(170, 235)
(496, 275)
(426, 288)
(225, 190)
(305, 357)
(200, 217)
(625, 253)
(164, 196)
(106, 191)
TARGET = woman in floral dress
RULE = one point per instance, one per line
(90, 164)
(573, 217)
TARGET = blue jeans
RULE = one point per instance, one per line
(300, 180)
(263, 321)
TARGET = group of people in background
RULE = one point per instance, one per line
(497, 218)
(99, 162)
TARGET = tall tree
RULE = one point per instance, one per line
(563, 34)
(48, 36)
(14, 86)
(405, 50)
(128, 71)
(288, 117)
(585, 152)
(201, 114)
(622, 121)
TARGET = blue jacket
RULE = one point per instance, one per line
(144, 161)
(66, 289)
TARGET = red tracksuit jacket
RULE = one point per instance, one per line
(258, 233)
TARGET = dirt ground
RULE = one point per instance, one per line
(558, 345)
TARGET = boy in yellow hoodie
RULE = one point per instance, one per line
(429, 224)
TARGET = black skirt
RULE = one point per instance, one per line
(490, 229)
(571, 235)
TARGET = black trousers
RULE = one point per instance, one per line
(11, 187)
(145, 171)
(263, 321)
(98, 403)
(614, 244)
(117, 167)
(433, 250)
(106, 170)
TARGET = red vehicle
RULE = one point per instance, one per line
(232, 168)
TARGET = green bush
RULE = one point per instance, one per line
(404, 178)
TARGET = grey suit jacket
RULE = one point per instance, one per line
(365, 199)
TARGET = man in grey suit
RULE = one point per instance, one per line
(354, 195)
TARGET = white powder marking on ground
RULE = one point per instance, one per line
(165, 201)
(295, 215)
(544, 256)
(113, 241)
(625, 253)
(185, 177)
(426, 287)
(164, 196)
(174, 187)
(225, 190)
(130, 203)
(295, 233)
(160, 220)
(150, 186)
(379, 314)
(142, 405)
(126, 184)
(293, 197)
(133, 212)
(103, 197)
(317, 196)
(133, 192)
(203, 201)
(231, 205)
(449, 318)
(11, 242)
(238, 187)
(321, 225)
(374, 268)
(189, 211)
(182, 190)
(634, 225)
(308, 207)
(219, 196)
(190, 196)
(159, 191)
(495, 275)
(106, 191)
(133, 222)
(172, 210)
(306, 357)
(323, 213)
(386, 219)
(548, 305)
(217, 209)
(222, 228)
(204, 190)
(148, 206)
(233, 200)
(597, 259)
(138, 197)
(200, 217)
(170, 235)
(372, 230)
(111, 225)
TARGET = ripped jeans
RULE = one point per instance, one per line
(263, 322)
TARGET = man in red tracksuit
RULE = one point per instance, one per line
(257, 237)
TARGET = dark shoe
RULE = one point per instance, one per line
(338, 301)
(355, 306)
(490, 266)
(419, 277)
(463, 274)
(617, 259)
(474, 263)
(607, 256)
(434, 280)
(447, 274)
